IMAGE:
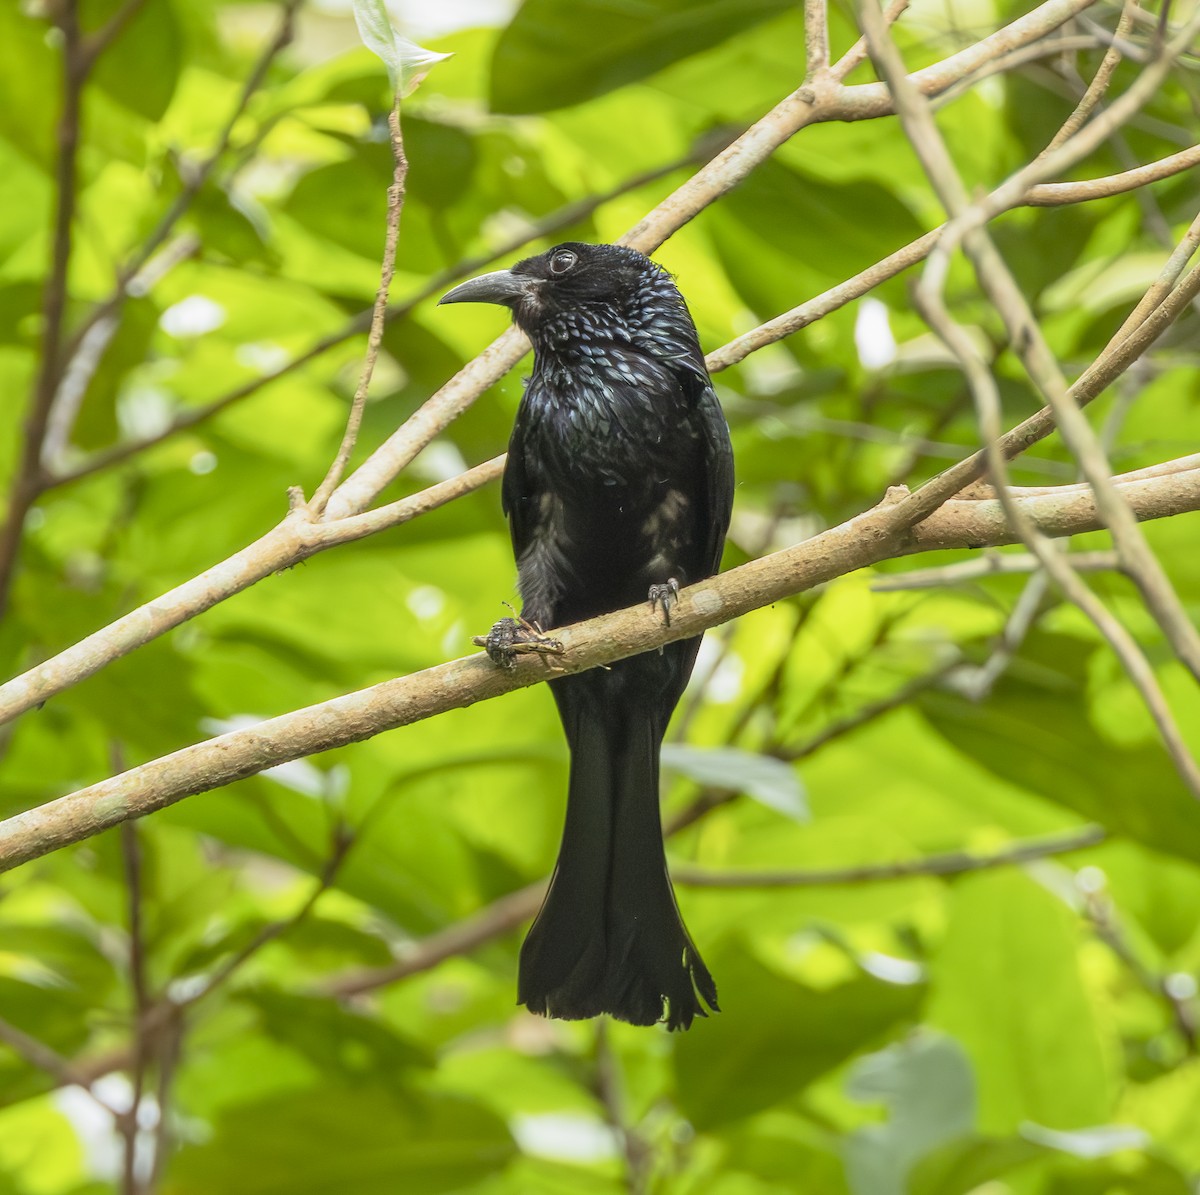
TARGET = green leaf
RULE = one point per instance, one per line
(776, 1036)
(407, 63)
(927, 1085)
(554, 54)
(1034, 730)
(770, 781)
(27, 69)
(375, 28)
(1007, 984)
(153, 34)
(347, 1047)
(332, 1140)
(970, 1163)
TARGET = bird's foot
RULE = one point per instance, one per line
(664, 597)
(512, 637)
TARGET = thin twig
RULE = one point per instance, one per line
(990, 564)
(195, 180)
(130, 1124)
(170, 1051)
(1101, 913)
(96, 43)
(816, 39)
(1164, 283)
(26, 483)
(639, 1156)
(1100, 81)
(343, 840)
(500, 917)
(60, 1069)
(977, 681)
(395, 205)
(947, 864)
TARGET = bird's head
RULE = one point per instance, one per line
(605, 284)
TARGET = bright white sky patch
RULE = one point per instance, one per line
(435, 18)
(565, 1138)
(297, 774)
(873, 335)
(262, 356)
(143, 411)
(192, 316)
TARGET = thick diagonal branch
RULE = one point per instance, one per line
(867, 539)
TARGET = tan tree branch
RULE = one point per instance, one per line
(296, 539)
(395, 205)
(76, 65)
(862, 541)
(997, 283)
(946, 864)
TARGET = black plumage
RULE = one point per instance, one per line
(618, 486)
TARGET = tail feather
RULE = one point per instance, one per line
(609, 937)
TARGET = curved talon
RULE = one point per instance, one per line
(665, 597)
(511, 637)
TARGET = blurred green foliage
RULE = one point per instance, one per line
(1025, 1030)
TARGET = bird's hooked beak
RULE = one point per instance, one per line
(500, 286)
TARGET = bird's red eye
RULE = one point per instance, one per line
(562, 261)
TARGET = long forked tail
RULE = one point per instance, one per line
(609, 937)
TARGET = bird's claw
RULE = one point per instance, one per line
(664, 597)
(512, 637)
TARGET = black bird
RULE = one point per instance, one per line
(618, 488)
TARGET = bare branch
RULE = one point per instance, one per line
(316, 505)
(1100, 81)
(130, 1123)
(947, 864)
(816, 38)
(27, 478)
(95, 44)
(1039, 195)
(296, 539)
(60, 1069)
(866, 539)
(500, 917)
(343, 840)
(990, 564)
(196, 179)
(1165, 282)
(1101, 913)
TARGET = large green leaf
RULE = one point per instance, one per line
(333, 1140)
(1034, 730)
(152, 33)
(1007, 984)
(776, 1036)
(560, 52)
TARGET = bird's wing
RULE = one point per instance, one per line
(718, 453)
(515, 496)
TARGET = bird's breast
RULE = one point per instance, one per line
(607, 418)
